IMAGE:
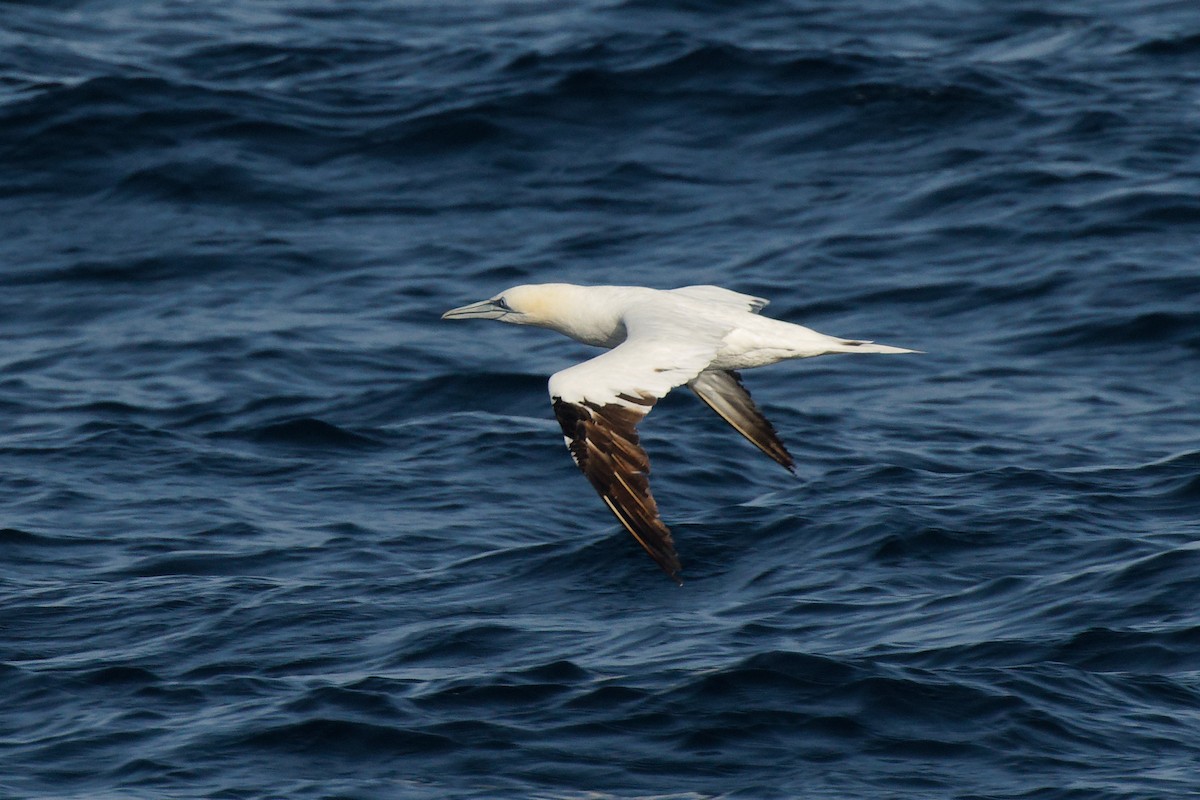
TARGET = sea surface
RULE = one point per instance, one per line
(269, 528)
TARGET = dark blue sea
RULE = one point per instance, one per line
(269, 528)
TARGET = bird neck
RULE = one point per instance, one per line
(588, 314)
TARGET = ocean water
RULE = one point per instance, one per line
(271, 529)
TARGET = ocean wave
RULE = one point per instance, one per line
(1132, 330)
(331, 737)
(309, 433)
(1180, 45)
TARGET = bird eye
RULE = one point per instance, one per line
(503, 305)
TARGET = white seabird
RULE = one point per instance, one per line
(657, 339)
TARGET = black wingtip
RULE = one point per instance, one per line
(724, 393)
(670, 564)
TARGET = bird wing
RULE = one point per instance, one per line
(724, 393)
(600, 402)
(719, 294)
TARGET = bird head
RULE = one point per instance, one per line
(520, 305)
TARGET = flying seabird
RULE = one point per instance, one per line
(656, 340)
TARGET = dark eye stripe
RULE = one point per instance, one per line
(503, 304)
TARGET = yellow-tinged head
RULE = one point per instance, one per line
(584, 313)
(532, 304)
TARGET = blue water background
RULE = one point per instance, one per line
(270, 529)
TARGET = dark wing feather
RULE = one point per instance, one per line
(603, 441)
(724, 393)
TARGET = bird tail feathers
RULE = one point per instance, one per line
(863, 346)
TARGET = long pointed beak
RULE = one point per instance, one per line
(484, 309)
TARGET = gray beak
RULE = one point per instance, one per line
(484, 309)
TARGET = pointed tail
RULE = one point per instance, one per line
(861, 346)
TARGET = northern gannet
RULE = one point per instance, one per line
(656, 339)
